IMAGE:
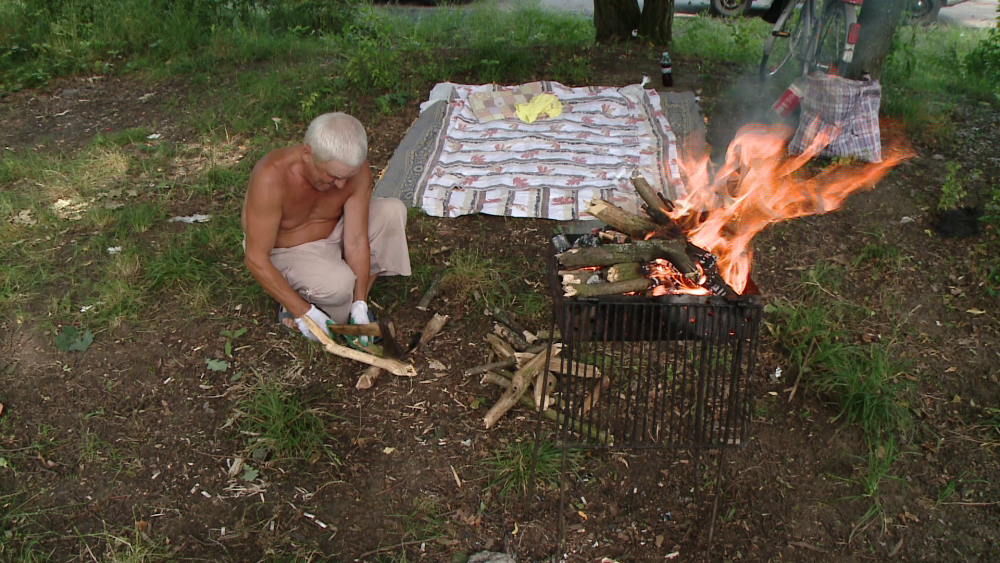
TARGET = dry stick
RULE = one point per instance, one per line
(674, 250)
(516, 340)
(396, 367)
(502, 348)
(654, 207)
(507, 363)
(511, 323)
(434, 288)
(629, 223)
(609, 288)
(575, 425)
(576, 369)
(369, 329)
(519, 384)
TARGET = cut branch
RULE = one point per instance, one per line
(369, 329)
(434, 288)
(516, 340)
(519, 384)
(393, 366)
(625, 272)
(368, 377)
(507, 363)
(511, 323)
(655, 206)
(502, 348)
(431, 329)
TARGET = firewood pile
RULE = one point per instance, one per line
(648, 255)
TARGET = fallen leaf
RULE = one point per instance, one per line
(437, 366)
(387, 450)
(216, 365)
(72, 340)
(976, 312)
(249, 474)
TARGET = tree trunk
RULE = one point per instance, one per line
(614, 20)
(657, 21)
(878, 20)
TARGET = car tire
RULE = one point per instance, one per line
(923, 12)
(730, 8)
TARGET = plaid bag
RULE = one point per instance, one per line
(844, 110)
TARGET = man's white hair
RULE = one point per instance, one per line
(337, 136)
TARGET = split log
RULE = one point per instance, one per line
(629, 223)
(577, 426)
(609, 288)
(368, 377)
(511, 323)
(574, 277)
(519, 384)
(431, 329)
(507, 363)
(656, 207)
(369, 329)
(673, 250)
(394, 366)
(502, 348)
(434, 288)
(516, 340)
(625, 272)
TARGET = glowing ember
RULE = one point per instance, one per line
(669, 280)
(760, 184)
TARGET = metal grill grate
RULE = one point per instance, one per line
(675, 371)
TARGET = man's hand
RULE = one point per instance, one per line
(359, 316)
(319, 317)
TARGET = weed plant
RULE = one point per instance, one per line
(277, 420)
(510, 466)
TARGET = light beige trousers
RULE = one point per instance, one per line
(318, 272)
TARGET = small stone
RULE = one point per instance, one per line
(69, 93)
(938, 157)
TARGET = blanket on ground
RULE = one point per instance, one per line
(465, 156)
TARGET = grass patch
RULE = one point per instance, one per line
(279, 421)
(510, 467)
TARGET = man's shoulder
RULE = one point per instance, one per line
(273, 166)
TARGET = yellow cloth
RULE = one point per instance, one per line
(541, 104)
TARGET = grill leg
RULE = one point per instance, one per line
(562, 503)
(715, 504)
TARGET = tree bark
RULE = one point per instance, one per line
(878, 20)
(673, 250)
(614, 20)
(657, 21)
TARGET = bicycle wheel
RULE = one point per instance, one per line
(838, 16)
(784, 39)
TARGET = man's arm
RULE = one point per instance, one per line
(263, 217)
(357, 254)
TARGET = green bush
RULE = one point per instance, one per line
(983, 62)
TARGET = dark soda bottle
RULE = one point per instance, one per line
(667, 70)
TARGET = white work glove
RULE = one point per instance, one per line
(359, 316)
(316, 315)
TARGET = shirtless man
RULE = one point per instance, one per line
(315, 239)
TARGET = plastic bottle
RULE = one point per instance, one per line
(667, 70)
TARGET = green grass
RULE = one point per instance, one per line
(277, 419)
(509, 467)
(877, 470)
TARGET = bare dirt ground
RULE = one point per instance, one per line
(134, 437)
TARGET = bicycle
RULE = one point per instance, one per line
(820, 38)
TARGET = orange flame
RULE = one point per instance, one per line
(760, 184)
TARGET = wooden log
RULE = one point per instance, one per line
(434, 288)
(625, 272)
(393, 366)
(519, 384)
(673, 250)
(629, 223)
(516, 340)
(507, 363)
(655, 207)
(557, 417)
(544, 335)
(502, 348)
(613, 237)
(574, 277)
(368, 377)
(609, 288)
(591, 399)
(369, 329)
(575, 369)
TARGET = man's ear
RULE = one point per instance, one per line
(307, 154)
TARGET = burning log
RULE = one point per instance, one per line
(673, 250)
(608, 288)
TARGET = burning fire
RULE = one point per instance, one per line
(759, 184)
